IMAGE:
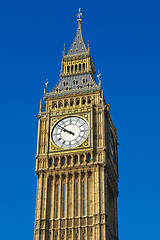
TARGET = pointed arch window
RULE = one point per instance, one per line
(72, 68)
(68, 69)
(75, 159)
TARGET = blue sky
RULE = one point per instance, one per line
(125, 44)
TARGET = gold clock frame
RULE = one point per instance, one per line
(85, 144)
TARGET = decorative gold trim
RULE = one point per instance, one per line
(86, 143)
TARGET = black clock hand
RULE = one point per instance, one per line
(65, 130)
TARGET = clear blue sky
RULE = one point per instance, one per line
(125, 43)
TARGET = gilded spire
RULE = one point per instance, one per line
(78, 46)
(79, 20)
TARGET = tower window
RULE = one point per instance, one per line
(74, 82)
(63, 161)
(83, 237)
(76, 237)
(88, 157)
(83, 66)
(89, 100)
(68, 69)
(64, 83)
(77, 102)
(57, 199)
(54, 105)
(69, 160)
(56, 162)
(60, 105)
(83, 101)
(71, 103)
(63, 200)
(77, 199)
(83, 198)
(79, 67)
(66, 103)
(82, 158)
(75, 159)
(72, 68)
(76, 68)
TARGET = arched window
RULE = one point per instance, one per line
(63, 160)
(60, 105)
(82, 158)
(71, 103)
(76, 68)
(69, 160)
(77, 102)
(72, 68)
(83, 236)
(83, 101)
(54, 105)
(68, 69)
(75, 159)
(88, 157)
(89, 100)
(76, 237)
(56, 160)
(66, 104)
(79, 67)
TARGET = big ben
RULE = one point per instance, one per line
(76, 160)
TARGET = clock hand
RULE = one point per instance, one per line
(65, 130)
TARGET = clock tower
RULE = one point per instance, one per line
(76, 160)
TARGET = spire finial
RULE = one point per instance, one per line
(79, 20)
(98, 75)
(88, 46)
(46, 83)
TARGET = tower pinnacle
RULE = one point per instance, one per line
(79, 20)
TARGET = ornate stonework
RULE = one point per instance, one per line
(77, 188)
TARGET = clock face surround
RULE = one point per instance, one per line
(70, 132)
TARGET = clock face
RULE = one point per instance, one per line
(70, 132)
